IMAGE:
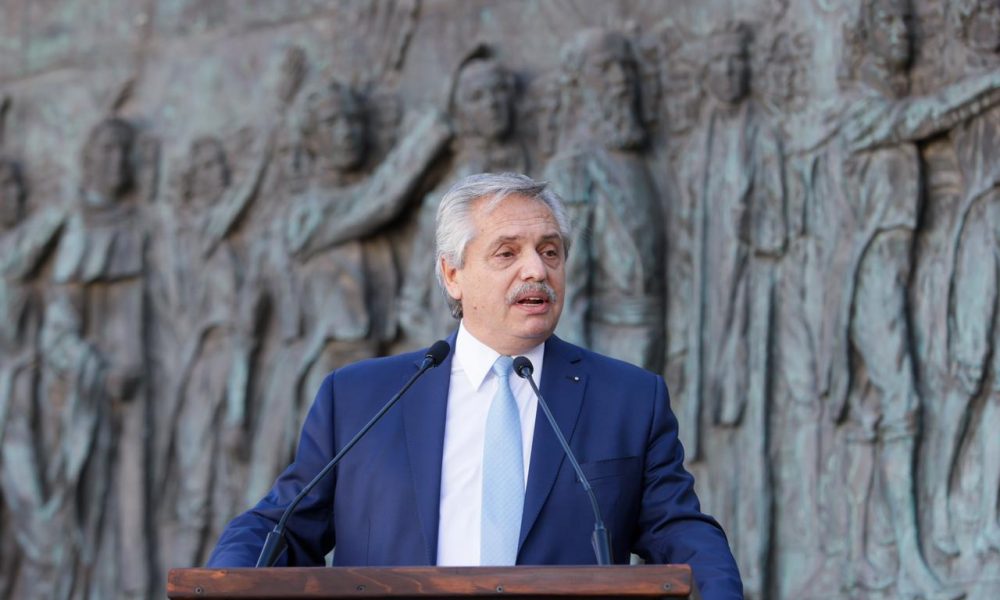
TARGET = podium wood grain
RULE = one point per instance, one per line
(638, 581)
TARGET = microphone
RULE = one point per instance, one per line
(600, 539)
(275, 542)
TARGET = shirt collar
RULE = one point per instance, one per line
(476, 359)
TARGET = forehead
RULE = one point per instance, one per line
(729, 46)
(338, 104)
(896, 8)
(607, 50)
(512, 215)
(480, 74)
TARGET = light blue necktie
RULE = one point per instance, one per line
(503, 474)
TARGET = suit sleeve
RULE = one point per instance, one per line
(309, 531)
(672, 528)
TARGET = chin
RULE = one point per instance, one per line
(540, 331)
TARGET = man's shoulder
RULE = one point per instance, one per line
(607, 366)
(382, 365)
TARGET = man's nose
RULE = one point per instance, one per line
(533, 267)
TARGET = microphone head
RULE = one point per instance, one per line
(523, 367)
(437, 352)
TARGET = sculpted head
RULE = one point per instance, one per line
(13, 194)
(501, 251)
(482, 99)
(335, 128)
(888, 32)
(107, 160)
(728, 74)
(207, 176)
(783, 74)
(603, 68)
(979, 24)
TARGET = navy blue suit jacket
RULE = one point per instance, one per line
(380, 506)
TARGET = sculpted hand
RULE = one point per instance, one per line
(302, 223)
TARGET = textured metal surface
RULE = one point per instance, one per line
(790, 209)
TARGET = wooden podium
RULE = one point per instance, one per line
(638, 581)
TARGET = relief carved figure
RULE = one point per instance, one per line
(740, 233)
(799, 229)
(881, 187)
(798, 435)
(741, 216)
(973, 332)
(338, 312)
(29, 487)
(802, 442)
(681, 99)
(93, 341)
(481, 105)
(209, 394)
(616, 303)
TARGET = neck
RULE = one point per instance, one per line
(888, 81)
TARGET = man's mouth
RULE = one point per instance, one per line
(532, 295)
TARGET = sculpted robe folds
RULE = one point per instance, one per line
(615, 291)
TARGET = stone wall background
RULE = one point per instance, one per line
(810, 260)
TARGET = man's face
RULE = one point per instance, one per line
(609, 83)
(483, 101)
(889, 32)
(341, 133)
(10, 196)
(729, 75)
(514, 260)
(983, 27)
(208, 172)
(107, 163)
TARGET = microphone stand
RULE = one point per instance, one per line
(275, 543)
(600, 539)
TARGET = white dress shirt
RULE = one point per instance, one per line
(473, 385)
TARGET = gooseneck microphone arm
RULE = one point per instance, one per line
(600, 539)
(275, 541)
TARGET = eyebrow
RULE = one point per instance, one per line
(514, 238)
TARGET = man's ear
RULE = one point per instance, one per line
(449, 275)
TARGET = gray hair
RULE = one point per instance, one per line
(455, 228)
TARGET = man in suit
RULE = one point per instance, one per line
(431, 484)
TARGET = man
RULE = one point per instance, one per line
(414, 490)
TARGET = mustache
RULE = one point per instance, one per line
(528, 287)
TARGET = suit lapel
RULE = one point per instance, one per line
(562, 387)
(424, 412)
